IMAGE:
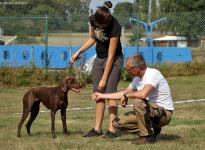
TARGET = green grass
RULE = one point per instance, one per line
(186, 130)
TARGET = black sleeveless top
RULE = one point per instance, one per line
(103, 35)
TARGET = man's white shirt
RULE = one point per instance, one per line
(161, 94)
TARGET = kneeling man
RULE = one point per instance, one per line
(153, 106)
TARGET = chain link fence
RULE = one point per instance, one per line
(22, 30)
(72, 30)
(40, 33)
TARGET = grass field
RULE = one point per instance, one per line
(186, 130)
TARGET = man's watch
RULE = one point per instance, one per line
(125, 96)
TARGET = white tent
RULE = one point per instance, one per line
(171, 38)
(179, 41)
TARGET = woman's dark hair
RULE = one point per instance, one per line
(103, 14)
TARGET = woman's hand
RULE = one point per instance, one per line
(74, 57)
(101, 84)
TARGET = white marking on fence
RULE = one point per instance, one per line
(9, 41)
(89, 108)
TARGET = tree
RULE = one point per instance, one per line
(182, 5)
(124, 8)
(186, 24)
(42, 10)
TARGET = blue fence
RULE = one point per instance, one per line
(59, 56)
(161, 54)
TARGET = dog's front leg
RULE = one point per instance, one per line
(53, 112)
(63, 117)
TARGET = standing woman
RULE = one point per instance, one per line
(105, 32)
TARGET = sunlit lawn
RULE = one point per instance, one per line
(186, 130)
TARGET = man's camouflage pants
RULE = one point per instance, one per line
(145, 116)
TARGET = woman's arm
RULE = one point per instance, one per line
(111, 54)
(91, 40)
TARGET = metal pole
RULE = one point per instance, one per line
(32, 55)
(152, 24)
(151, 44)
(46, 42)
(138, 22)
(138, 16)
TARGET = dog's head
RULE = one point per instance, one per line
(70, 84)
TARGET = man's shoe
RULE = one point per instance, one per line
(157, 131)
(110, 135)
(144, 140)
(92, 133)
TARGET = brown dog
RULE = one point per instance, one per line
(54, 98)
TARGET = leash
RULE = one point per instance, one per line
(71, 65)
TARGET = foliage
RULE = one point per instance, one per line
(21, 76)
(182, 6)
(25, 39)
(75, 23)
(125, 75)
(39, 7)
(186, 24)
(181, 69)
(137, 34)
(24, 76)
(42, 9)
(13, 25)
(79, 73)
(36, 76)
(65, 15)
(124, 8)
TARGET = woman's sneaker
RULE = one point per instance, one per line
(110, 135)
(93, 132)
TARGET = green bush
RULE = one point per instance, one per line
(196, 67)
(125, 76)
(24, 76)
(182, 69)
(21, 76)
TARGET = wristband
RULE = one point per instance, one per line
(125, 96)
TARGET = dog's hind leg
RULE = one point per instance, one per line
(34, 113)
(27, 104)
(23, 118)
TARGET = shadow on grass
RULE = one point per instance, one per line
(161, 137)
(168, 137)
(58, 133)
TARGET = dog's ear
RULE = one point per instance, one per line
(70, 80)
(64, 87)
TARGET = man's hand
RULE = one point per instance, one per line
(124, 101)
(96, 96)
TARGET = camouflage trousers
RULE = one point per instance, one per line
(145, 116)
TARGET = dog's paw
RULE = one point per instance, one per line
(54, 136)
(66, 132)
